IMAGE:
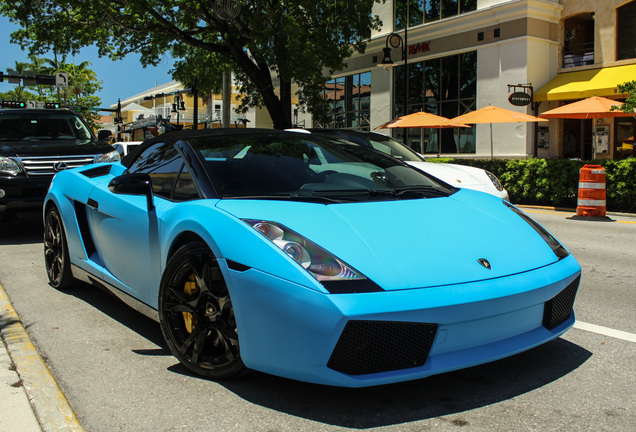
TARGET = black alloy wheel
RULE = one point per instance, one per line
(196, 314)
(56, 258)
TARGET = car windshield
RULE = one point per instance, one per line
(393, 147)
(38, 126)
(307, 167)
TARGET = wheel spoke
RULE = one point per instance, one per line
(197, 314)
(178, 308)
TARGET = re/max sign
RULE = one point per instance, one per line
(420, 47)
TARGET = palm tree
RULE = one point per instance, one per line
(81, 79)
(37, 66)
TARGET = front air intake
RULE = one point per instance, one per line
(367, 347)
(558, 309)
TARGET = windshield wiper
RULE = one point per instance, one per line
(288, 197)
(423, 191)
(397, 193)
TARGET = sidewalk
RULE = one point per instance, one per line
(31, 398)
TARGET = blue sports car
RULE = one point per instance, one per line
(308, 258)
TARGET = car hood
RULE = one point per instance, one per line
(454, 175)
(413, 243)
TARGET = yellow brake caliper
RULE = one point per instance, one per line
(190, 288)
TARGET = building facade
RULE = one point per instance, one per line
(467, 54)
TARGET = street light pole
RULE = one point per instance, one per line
(394, 40)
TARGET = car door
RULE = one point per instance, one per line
(126, 228)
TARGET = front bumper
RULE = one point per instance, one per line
(22, 193)
(358, 340)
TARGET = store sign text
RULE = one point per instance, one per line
(420, 48)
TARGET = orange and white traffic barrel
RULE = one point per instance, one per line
(592, 192)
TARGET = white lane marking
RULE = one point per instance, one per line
(618, 334)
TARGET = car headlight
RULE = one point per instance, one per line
(559, 250)
(322, 265)
(495, 181)
(112, 156)
(9, 166)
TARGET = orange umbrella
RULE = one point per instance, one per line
(592, 107)
(492, 114)
(420, 120)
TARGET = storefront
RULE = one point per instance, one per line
(611, 138)
(460, 56)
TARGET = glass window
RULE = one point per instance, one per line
(578, 40)
(446, 87)
(306, 167)
(424, 11)
(163, 163)
(348, 101)
(184, 188)
(626, 31)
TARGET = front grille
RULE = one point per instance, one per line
(45, 165)
(558, 309)
(367, 347)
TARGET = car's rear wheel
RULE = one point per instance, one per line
(196, 314)
(56, 258)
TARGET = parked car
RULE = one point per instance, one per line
(125, 147)
(37, 143)
(309, 258)
(457, 175)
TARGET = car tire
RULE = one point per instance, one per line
(56, 257)
(196, 314)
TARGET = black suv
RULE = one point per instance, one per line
(37, 143)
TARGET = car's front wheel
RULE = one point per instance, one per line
(196, 314)
(56, 258)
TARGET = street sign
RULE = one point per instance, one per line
(61, 79)
(31, 105)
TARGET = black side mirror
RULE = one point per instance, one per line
(105, 135)
(133, 184)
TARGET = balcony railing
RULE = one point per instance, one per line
(578, 55)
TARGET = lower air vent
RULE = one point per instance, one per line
(367, 347)
(559, 308)
(97, 171)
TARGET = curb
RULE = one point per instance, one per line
(49, 404)
(571, 210)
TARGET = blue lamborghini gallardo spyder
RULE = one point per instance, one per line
(308, 258)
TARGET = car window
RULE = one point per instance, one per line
(184, 188)
(163, 163)
(297, 166)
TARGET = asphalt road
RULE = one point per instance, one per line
(118, 375)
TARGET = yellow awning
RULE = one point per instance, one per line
(583, 84)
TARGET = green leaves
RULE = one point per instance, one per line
(555, 182)
(262, 42)
(628, 88)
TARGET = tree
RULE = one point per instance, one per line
(628, 88)
(268, 44)
(83, 84)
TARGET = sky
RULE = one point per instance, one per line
(121, 79)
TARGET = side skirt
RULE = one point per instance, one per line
(84, 276)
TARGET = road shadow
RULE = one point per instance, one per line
(441, 395)
(111, 306)
(24, 228)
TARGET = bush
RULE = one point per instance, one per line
(555, 182)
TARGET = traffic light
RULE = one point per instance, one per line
(51, 105)
(13, 104)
